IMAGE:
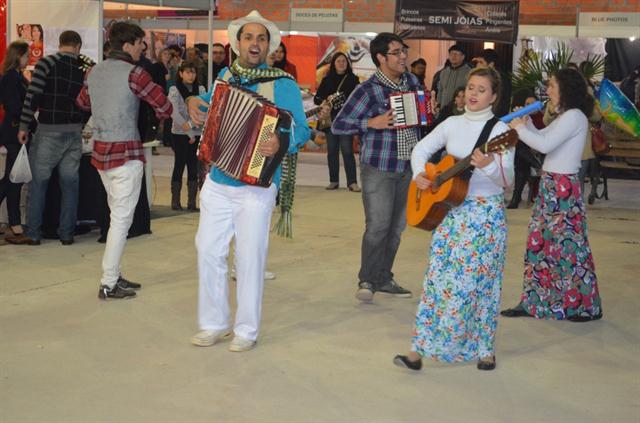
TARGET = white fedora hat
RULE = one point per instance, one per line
(253, 17)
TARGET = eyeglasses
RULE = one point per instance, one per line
(396, 53)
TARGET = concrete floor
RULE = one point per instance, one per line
(322, 356)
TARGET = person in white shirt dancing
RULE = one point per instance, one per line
(559, 274)
(457, 314)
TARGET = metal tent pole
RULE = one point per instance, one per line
(210, 41)
(100, 32)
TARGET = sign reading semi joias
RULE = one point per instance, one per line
(457, 20)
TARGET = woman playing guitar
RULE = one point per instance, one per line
(457, 315)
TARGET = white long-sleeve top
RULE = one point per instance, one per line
(562, 141)
(459, 135)
(180, 114)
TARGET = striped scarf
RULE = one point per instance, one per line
(406, 137)
(256, 75)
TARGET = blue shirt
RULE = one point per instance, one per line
(287, 96)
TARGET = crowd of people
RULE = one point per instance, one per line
(458, 311)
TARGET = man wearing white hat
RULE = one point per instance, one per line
(230, 208)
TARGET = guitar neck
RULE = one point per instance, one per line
(312, 112)
(454, 170)
(502, 141)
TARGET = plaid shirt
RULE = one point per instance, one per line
(379, 147)
(108, 155)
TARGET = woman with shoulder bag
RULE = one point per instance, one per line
(184, 136)
(13, 90)
(339, 79)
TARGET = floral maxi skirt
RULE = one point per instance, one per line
(559, 273)
(457, 314)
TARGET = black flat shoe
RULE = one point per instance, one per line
(487, 365)
(513, 205)
(403, 361)
(516, 311)
(584, 318)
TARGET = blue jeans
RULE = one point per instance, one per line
(384, 195)
(48, 150)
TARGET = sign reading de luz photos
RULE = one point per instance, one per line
(457, 20)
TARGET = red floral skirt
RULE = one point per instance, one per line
(559, 274)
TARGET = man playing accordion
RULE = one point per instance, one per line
(230, 208)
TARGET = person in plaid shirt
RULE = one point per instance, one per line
(112, 91)
(385, 168)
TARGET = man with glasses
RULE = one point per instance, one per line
(385, 163)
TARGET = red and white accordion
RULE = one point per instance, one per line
(411, 108)
(239, 120)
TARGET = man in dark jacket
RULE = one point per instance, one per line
(55, 84)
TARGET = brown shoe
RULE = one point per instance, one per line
(21, 239)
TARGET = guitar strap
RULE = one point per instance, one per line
(482, 139)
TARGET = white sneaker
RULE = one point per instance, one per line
(239, 344)
(206, 338)
(268, 276)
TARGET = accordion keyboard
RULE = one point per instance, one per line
(257, 159)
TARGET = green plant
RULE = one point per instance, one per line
(533, 69)
(594, 66)
(529, 73)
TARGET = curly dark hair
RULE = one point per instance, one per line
(573, 91)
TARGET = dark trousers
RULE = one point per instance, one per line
(185, 154)
(524, 161)
(384, 195)
(8, 189)
(166, 132)
(336, 144)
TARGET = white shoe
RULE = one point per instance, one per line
(268, 276)
(239, 344)
(206, 338)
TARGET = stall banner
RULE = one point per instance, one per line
(3, 28)
(356, 48)
(457, 20)
(159, 40)
(33, 34)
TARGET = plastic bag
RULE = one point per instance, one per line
(21, 171)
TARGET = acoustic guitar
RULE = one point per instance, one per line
(427, 208)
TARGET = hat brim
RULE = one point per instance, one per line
(234, 27)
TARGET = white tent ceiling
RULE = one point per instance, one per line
(190, 4)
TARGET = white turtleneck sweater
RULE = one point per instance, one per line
(562, 141)
(459, 134)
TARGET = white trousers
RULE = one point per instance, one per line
(123, 189)
(226, 212)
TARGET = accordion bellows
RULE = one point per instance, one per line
(239, 120)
